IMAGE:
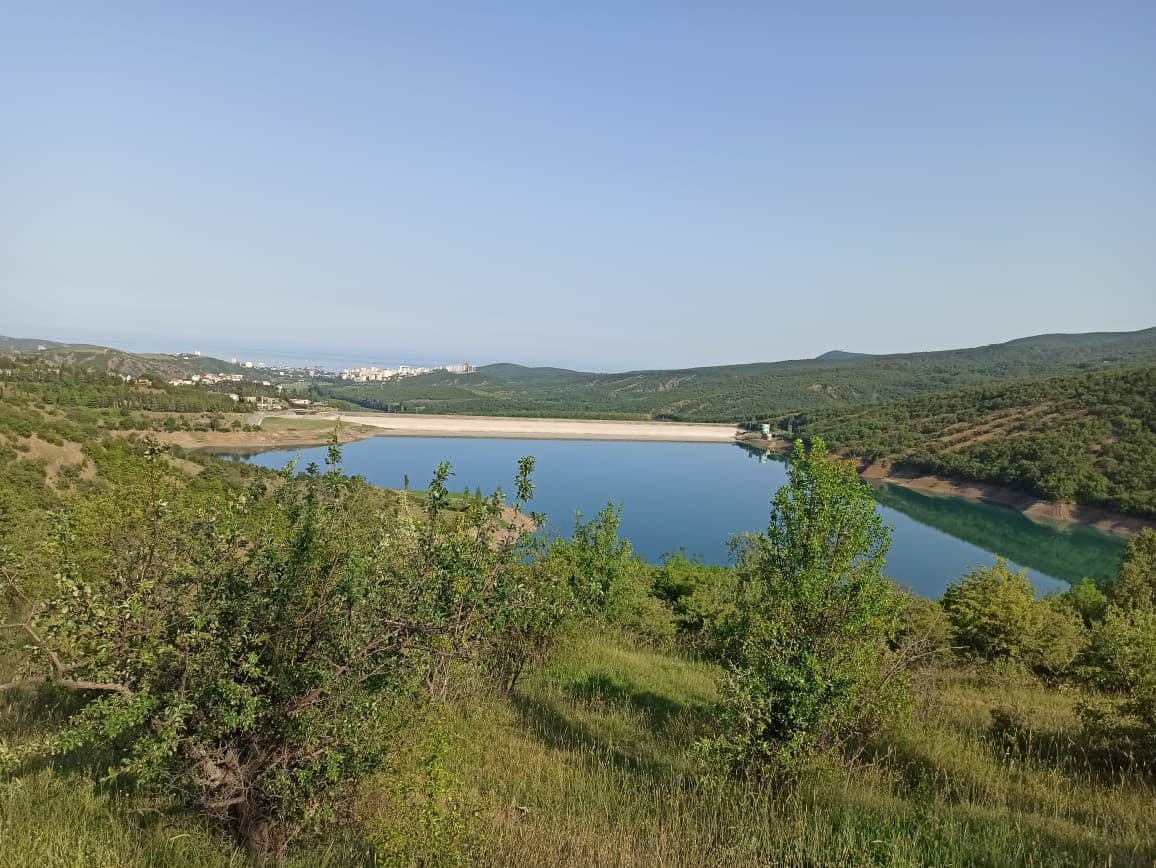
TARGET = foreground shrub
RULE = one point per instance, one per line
(702, 599)
(255, 652)
(812, 667)
(993, 613)
(1122, 661)
(1135, 586)
(996, 617)
(922, 628)
(1087, 599)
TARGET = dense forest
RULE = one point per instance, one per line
(737, 393)
(208, 663)
(1089, 438)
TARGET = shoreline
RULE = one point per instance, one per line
(317, 428)
(254, 442)
(536, 428)
(1039, 510)
(529, 428)
(362, 426)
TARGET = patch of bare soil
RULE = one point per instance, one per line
(244, 442)
(56, 458)
(1035, 508)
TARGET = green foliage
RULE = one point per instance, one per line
(995, 616)
(1122, 661)
(1136, 584)
(702, 599)
(746, 392)
(254, 651)
(1086, 599)
(596, 564)
(924, 627)
(1089, 438)
(812, 666)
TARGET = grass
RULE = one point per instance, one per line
(299, 424)
(592, 761)
(295, 423)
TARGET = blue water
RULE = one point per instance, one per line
(694, 496)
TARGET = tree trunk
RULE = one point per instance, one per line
(264, 838)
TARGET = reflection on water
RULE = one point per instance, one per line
(693, 497)
(1068, 553)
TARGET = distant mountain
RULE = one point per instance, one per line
(21, 345)
(92, 357)
(759, 390)
(839, 356)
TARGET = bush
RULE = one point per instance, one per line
(255, 652)
(1136, 584)
(597, 565)
(1087, 600)
(996, 617)
(1060, 637)
(702, 599)
(1122, 660)
(812, 667)
(923, 627)
(993, 613)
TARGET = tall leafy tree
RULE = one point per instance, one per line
(811, 665)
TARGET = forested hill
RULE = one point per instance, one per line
(23, 345)
(1089, 438)
(737, 393)
(109, 360)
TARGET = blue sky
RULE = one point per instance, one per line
(599, 185)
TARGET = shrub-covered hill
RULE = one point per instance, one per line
(737, 393)
(1088, 438)
(111, 360)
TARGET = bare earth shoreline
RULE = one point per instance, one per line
(1035, 508)
(317, 428)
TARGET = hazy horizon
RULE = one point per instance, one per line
(330, 359)
(602, 187)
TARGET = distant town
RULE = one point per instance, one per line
(374, 374)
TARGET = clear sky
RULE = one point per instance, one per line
(596, 185)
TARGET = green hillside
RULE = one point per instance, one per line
(96, 358)
(24, 345)
(1089, 438)
(750, 391)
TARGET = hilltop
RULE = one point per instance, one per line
(93, 357)
(24, 345)
(754, 391)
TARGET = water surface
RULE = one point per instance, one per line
(694, 496)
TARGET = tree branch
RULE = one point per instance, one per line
(59, 669)
(70, 683)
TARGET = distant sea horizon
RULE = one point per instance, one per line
(297, 357)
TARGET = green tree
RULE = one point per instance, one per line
(993, 613)
(1136, 583)
(1122, 662)
(811, 665)
(995, 616)
(255, 651)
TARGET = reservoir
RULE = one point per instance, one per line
(693, 497)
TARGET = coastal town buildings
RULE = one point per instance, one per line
(374, 374)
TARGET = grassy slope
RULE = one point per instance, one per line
(590, 763)
(744, 392)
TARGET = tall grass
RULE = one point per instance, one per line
(593, 762)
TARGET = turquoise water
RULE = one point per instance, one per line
(694, 496)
